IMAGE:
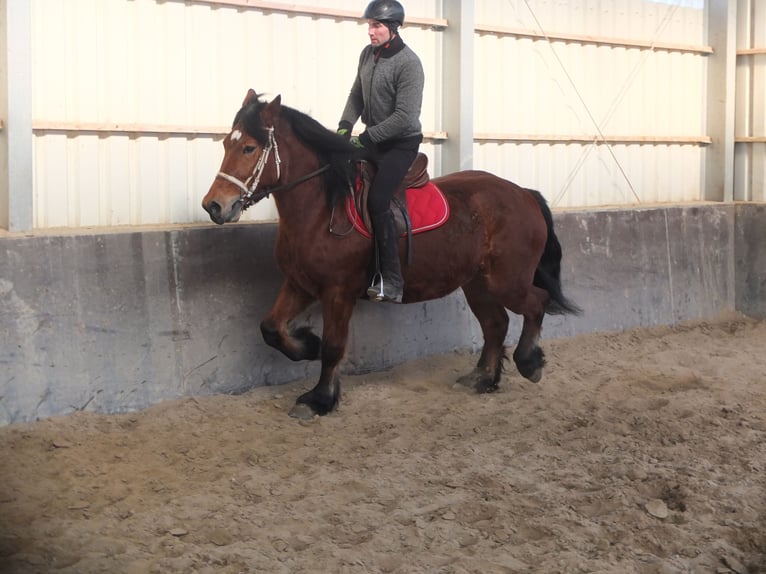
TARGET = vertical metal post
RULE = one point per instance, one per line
(457, 91)
(16, 201)
(742, 150)
(757, 100)
(721, 26)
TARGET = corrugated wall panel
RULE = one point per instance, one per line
(556, 88)
(176, 64)
(577, 176)
(676, 21)
(750, 154)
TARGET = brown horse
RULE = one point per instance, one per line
(498, 246)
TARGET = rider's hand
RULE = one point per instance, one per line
(344, 129)
(364, 140)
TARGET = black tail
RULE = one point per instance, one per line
(548, 273)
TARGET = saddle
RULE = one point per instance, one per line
(418, 205)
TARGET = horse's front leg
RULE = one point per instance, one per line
(337, 307)
(297, 344)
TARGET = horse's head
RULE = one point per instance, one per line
(250, 161)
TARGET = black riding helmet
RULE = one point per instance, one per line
(390, 12)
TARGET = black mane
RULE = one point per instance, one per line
(332, 149)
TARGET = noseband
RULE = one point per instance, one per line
(247, 188)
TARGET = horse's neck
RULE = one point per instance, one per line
(306, 201)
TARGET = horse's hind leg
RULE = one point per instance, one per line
(493, 319)
(528, 356)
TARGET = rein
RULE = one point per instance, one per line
(247, 188)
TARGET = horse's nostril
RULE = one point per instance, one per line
(214, 209)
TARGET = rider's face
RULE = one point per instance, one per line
(378, 32)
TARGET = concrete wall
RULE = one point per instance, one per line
(750, 261)
(117, 321)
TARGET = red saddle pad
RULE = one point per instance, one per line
(427, 207)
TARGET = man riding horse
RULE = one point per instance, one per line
(387, 94)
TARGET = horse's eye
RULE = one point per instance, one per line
(248, 149)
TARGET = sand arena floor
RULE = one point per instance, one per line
(639, 452)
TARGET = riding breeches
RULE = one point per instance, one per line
(392, 167)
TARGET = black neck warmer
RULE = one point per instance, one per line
(393, 46)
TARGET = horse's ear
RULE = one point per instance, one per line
(270, 113)
(250, 95)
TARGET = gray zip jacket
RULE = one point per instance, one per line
(387, 94)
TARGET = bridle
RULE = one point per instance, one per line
(247, 188)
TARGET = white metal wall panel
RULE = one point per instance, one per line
(578, 176)
(676, 21)
(750, 149)
(527, 86)
(523, 88)
(149, 63)
(173, 63)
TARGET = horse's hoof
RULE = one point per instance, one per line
(536, 376)
(486, 386)
(471, 379)
(303, 412)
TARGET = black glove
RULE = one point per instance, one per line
(366, 141)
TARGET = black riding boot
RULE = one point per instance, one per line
(387, 285)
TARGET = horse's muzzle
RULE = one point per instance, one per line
(221, 215)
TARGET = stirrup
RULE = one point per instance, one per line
(376, 291)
